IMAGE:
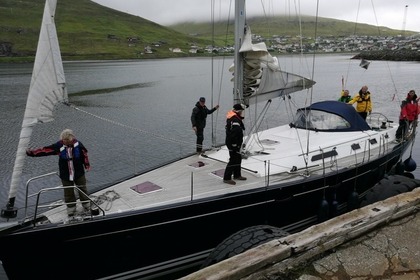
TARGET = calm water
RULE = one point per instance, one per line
(135, 128)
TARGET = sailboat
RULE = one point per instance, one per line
(166, 222)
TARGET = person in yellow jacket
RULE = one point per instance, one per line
(364, 102)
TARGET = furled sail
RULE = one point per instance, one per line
(262, 77)
(47, 88)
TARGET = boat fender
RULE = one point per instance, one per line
(410, 164)
(388, 187)
(353, 201)
(399, 168)
(334, 207)
(323, 211)
(242, 241)
(409, 175)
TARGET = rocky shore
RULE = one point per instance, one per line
(396, 55)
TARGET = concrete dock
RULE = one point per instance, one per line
(378, 241)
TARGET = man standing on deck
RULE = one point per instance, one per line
(198, 121)
(234, 139)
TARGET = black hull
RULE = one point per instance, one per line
(163, 240)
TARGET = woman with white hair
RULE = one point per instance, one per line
(72, 161)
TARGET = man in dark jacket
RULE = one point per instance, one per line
(198, 121)
(234, 140)
(72, 162)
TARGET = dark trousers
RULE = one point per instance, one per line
(363, 115)
(402, 129)
(69, 194)
(234, 165)
(200, 138)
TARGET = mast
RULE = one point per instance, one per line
(238, 58)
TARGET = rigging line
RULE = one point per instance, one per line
(313, 74)
(354, 33)
(316, 37)
(386, 61)
(162, 137)
(222, 67)
(266, 17)
(213, 135)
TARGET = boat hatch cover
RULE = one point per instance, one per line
(146, 187)
(219, 173)
(197, 164)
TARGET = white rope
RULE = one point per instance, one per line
(159, 136)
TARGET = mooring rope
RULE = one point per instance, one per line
(107, 197)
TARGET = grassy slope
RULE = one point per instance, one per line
(83, 28)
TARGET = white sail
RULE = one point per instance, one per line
(262, 77)
(46, 89)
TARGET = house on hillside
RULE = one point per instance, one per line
(148, 49)
(193, 49)
(175, 50)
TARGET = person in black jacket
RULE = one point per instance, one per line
(234, 139)
(72, 162)
(198, 121)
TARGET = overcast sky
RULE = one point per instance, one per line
(396, 14)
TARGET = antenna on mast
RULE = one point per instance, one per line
(404, 20)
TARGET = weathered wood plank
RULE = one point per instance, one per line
(297, 248)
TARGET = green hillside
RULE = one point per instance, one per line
(287, 26)
(86, 30)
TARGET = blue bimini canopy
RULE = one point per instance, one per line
(330, 116)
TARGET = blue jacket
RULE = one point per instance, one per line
(72, 159)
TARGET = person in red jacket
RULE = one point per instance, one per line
(408, 115)
(72, 161)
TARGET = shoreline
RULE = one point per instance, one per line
(389, 55)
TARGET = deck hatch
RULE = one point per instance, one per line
(325, 155)
(219, 173)
(268, 142)
(145, 187)
(197, 164)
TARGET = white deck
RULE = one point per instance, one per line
(184, 180)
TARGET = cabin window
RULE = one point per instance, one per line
(320, 120)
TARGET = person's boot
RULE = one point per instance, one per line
(230, 182)
(71, 210)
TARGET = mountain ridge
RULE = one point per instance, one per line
(287, 25)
